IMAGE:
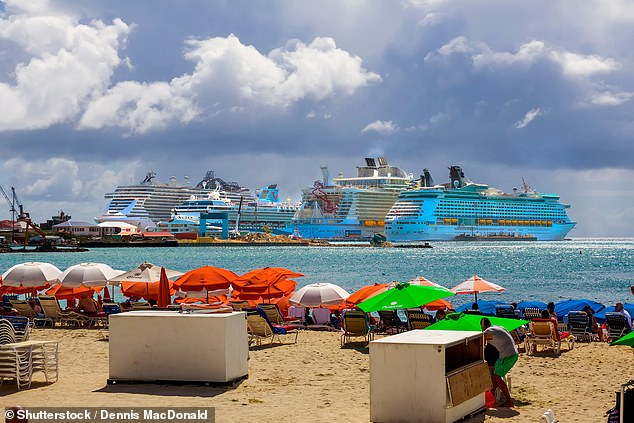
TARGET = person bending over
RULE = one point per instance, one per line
(503, 342)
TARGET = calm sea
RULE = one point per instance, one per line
(597, 269)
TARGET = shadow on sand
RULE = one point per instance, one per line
(168, 389)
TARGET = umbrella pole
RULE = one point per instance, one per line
(476, 297)
(147, 291)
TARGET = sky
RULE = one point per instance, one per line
(96, 93)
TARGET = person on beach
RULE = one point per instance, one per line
(336, 321)
(503, 342)
(618, 308)
(440, 314)
(546, 317)
(551, 310)
(87, 304)
(593, 322)
(475, 309)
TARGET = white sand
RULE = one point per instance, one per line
(316, 380)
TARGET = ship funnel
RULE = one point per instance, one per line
(426, 179)
(326, 175)
(370, 162)
(456, 176)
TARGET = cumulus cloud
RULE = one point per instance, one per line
(381, 127)
(482, 56)
(609, 98)
(67, 75)
(69, 63)
(232, 76)
(528, 118)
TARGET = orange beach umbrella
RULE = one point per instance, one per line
(164, 294)
(206, 277)
(67, 293)
(364, 293)
(264, 284)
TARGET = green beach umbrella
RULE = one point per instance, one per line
(463, 321)
(625, 340)
(404, 295)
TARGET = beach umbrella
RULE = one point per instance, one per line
(62, 292)
(316, 294)
(600, 316)
(485, 307)
(364, 293)
(404, 295)
(421, 281)
(625, 340)
(145, 272)
(144, 277)
(87, 274)
(531, 304)
(474, 285)
(30, 275)
(562, 308)
(438, 305)
(265, 283)
(205, 296)
(205, 278)
(164, 294)
(463, 321)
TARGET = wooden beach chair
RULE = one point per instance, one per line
(53, 312)
(356, 325)
(239, 305)
(416, 319)
(261, 329)
(542, 333)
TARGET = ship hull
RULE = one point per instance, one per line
(425, 232)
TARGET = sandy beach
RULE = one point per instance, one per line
(317, 378)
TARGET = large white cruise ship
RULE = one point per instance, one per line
(264, 214)
(350, 208)
(149, 202)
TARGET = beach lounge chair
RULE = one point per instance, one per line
(139, 305)
(260, 328)
(532, 313)
(53, 312)
(356, 325)
(15, 362)
(239, 305)
(506, 310)
(617, 325)
(21, 326)
(580, 326)
(390, 322)
(542, 333)
(416, 319)
(275, 315)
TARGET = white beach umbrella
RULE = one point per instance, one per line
(316, 294)
(145, 272)
(30, 274)
(88, 274)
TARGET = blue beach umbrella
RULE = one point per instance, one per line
(600, 316)
(485, 307)
(562, 308)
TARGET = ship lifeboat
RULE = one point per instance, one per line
(454, 221)
(550, 223)
(544, 223)
(482, 221)
(532, 222)
(380, 223)
(370, 223)
(489, 221)
(446, 220)
(514, 222)
(508, 222)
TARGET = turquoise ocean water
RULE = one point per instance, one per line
(597, 269)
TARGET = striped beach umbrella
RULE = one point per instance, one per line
(474, 285)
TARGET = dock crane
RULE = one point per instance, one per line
(22, 216)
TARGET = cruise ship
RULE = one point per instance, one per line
(266, 213)
(463, 210)
(350, 208)
(149, 202)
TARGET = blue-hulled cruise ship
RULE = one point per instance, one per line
(463, 210)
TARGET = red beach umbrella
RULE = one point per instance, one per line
(164, 295)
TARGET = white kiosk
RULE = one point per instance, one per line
(429, 376)
(171, 346)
